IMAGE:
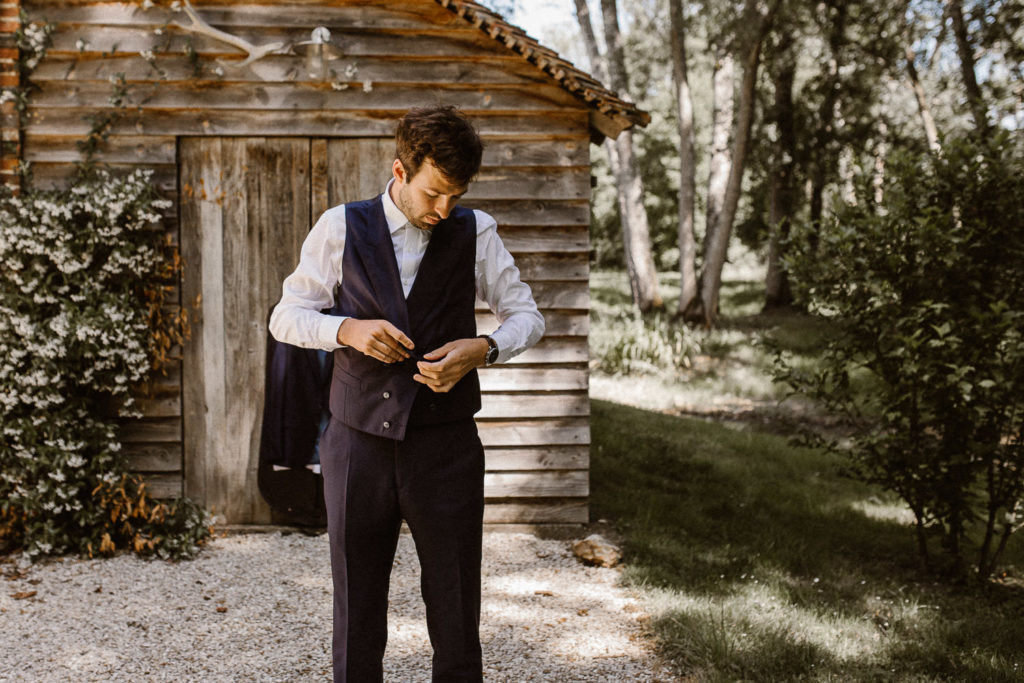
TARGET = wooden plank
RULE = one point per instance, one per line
(541, 484)
(361, 15)
(535, 212)
(536, 266)
(164, 486)
(521, 405)
(571, 431)
(475, 71)
(165, 457)
(538, 458)
(571, 239)
(505, 378)
(519, 152)
(553, 349)
(555, 124)
(539, 183)
(555, 294)
(422, 42)
(529, 512)
(556, 323)
(164, 406)
(358, 169)
(202, 253)
(125, 149)
(155, 430)
(318, 175)
(304, 96)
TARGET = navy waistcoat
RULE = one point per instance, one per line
(382, 398)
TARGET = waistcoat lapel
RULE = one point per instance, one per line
(377, 252)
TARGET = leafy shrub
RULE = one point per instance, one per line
(633, 343)
(926, 292)
(83, 279)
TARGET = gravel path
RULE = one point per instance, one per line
(257, 607)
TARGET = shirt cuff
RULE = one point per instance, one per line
(504, 340)
(328, 332)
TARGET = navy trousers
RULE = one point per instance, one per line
(434, 481)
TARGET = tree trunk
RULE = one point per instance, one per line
(826, 114)
(599, 69)
(643, 277)
(782, 197)
(931, 132)
(687, 161)
(597, 65)
(717, 241)
(722, 121)
(965, 51)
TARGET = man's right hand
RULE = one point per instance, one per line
(375, 338)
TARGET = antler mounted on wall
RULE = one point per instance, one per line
(201, 27)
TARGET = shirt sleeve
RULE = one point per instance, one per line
(297, 318)
(498, 284)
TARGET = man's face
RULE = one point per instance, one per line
(428, 197)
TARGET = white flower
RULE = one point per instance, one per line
(367, 86)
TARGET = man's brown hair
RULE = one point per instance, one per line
(444, 135)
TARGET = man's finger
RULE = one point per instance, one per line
(398, 335)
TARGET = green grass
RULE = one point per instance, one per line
(728, 368)
(756, 559)
(758, 562)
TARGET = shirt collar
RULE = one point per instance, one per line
(394, 216)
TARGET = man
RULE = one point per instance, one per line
(407, 266)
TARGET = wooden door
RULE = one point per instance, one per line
(246, 206)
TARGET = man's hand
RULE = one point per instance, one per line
(450, 363)
(376, 338)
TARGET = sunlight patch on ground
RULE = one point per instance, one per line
(885, 511)
(755, 614)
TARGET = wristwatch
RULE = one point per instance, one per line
(492, 350)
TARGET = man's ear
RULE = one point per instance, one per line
(398, 171)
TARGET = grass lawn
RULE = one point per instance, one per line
(758, 560)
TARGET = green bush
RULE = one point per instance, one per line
(926, 293)
(83, 279)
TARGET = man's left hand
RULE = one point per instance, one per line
(442, 368)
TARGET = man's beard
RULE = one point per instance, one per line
(404, 206)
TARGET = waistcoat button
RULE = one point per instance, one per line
(387, 425)
(387, 394)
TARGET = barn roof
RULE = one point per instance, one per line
(610, 114)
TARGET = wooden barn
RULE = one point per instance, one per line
(255, 125)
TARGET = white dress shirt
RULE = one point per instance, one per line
(297, 318)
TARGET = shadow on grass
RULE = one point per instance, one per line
(765, 565)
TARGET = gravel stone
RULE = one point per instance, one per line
(257, 607)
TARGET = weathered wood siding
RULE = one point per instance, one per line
(535, 181)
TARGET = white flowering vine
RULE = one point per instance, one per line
(78, 318)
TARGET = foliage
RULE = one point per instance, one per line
(926, 293)
(633, 343)
(84, 274)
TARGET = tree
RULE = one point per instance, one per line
(643, 277)
(925, 297)
(751, 33)
(782, 183)
(687, 159)
(965, 52)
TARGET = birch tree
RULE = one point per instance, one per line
(757, 17)
(636, 234)
(687, 159)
